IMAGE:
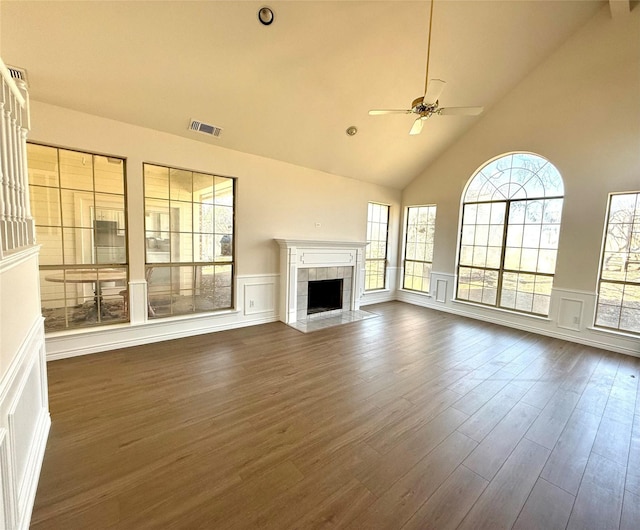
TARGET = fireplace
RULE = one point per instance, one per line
(324, 295)
(303, 262)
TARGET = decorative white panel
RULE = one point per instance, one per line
(570, 314)
(5, 483)
(441, 290)
(259, 298)
(311, 258)
(23, 417)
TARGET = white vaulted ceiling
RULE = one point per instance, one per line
(287, 91)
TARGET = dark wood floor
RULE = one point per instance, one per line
(416, 419)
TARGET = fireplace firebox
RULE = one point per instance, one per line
(324, 295)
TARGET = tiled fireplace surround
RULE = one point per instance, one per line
(302, 260)
(322, 273)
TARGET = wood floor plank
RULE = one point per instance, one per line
(570, 455)
(598, 505)
(596, 394)
(547, 507)
(473, 401)
(630, 512)
(339, 509)
(404, 456)
(292, 505)
(362, 424)
(406, 495)
(385, 439)
(490, 414)
(613, 440)
(552, 420)
(489, 456)
(509, 489)
(633, 466)
(447, 507)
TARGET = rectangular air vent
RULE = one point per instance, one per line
(205, 128)
(18, 73)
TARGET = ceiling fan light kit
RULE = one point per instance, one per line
(428, 105)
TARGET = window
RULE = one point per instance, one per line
(376, 251)
(509, 238)
(78, 203)
(189, 224)
(619, 284)
(418, 249)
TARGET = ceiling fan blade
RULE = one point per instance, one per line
(388, 111)
(417, 126)
(434, 89)
(460, 111)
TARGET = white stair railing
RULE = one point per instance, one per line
(16, 223)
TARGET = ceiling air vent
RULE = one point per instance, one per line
(205, 128)
(18, 73)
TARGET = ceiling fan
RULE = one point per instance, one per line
(428, 105)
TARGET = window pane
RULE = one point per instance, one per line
(78, 208)
(376, 249)
(50, 239)
(156, 182)
(76, 170)
(180, 185)
(82, 231)
(43, 165)
(192, 228)
(203, 188)
(45, 205)
(418, 256)
(619, 287)
(521, 182)
(109, 174)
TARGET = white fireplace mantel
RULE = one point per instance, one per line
(299, 253)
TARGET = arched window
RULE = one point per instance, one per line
(509, 236)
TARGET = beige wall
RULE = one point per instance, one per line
(581, 110)
(274, 199)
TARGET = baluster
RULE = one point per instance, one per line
(3, 220)
(11, 173)
(28, 219)
(6, 191)
(30, 235)
(17, 152)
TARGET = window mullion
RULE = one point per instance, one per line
(503, 253)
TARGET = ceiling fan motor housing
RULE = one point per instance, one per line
(419, 107)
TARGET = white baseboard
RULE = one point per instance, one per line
(551, 327)
(126, 337)
(259, 291)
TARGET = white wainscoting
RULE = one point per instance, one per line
(255, 303)
(570, 318)
(24, 427)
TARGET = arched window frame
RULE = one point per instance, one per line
(510, 220)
